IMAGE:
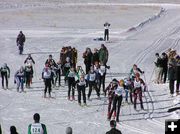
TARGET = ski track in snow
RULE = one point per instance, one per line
(25, 104)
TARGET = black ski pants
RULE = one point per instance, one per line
(4, 76)
(171, 86)
(116, 104)
(93, 84)
(47, 86)
(81, 89)
(106, 34)
(71, 85)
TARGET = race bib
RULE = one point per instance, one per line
(137, 84)
(36, 129)
(92, 77)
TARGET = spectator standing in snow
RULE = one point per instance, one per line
(37, 127)
(69, 130)
(113, 128)
(106, 31)
(13, 130)
(20, 41)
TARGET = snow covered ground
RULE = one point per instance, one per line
(49, 25)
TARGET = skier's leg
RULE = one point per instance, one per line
(90, 89)
(73, 88)
(46, 86)
(119, 106)
(69, 88)
(109, 105)
(6, 77)
(171, 86)
(113, 108)
(177, 86)
(79, 94)
(2, 75)
(135, 98)
(103, 82)
(84, 94)
(97, 90)
(49, 87)
(140, 99)
(107, 34)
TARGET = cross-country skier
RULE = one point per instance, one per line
(29, 59)
(72, 77)
(28, 74)
(20, 41)
(81, 87)
(102, 76)
(19, 79)
(5, 74)
(110, 89)
(117, 100)
(92, 82)
(58, 71)
(128, 85)
(106, 31)
(138, 89)
(67, 65)
(135, 70)
(47, 77)
(50, 61)
(37, 127)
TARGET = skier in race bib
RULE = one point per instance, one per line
(19, 79)
(135, 70)
(81, 87)
(92, 81)
(37, 127)
(72, 77)
(110, 89)
(117, 100)
(138, 85)
(5, 74)
(29, 74)
(47, 77)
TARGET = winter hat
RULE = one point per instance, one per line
(68, 130)
(36, 117)
(113, 123)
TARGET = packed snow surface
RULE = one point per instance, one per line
(51, 24)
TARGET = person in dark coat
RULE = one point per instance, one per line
(171, 74)
(13, 130)
(20, 41)
(113, 128)
(177, 74)
(164, 66)
(95, 56)
(87, 55)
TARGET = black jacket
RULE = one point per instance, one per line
(114, 131)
